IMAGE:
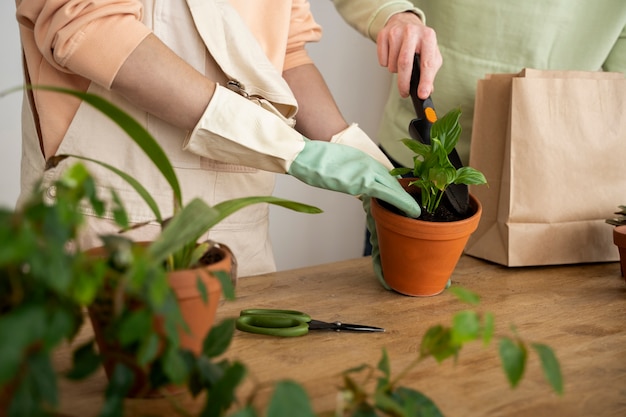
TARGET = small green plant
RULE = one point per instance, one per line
(620, 220)
(390, 397)
(432, 167)
(440, 342)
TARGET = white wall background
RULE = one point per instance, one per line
(348, 62)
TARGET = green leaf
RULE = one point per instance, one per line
(447, 130)
(135, 130)
(196, 218)
(469, 176)
(465, 295)
(204, 375)
(228, 288)
(416, 404)
(148, 350)
(119, 212)
(188, 225)
(204, 294)
(551, 367)
(290, 400)
(219, 338)
(418, 148)
(488, 328)
(174, 366)
(383, 364)
(119, 385)
(437, 342)
(513, 357)
(388, 404)
(136, 185)
(135, 327)
(222, 394)
(17, 331)
(37, 390)
(226, 208)
(465, 327)
(85, 361)
(61, 324)
(400, 171)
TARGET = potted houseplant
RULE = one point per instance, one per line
(189, 269)
(619, 235)
(147, 341)
(418, 256)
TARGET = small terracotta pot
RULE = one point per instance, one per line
(418, 257)
(619, 238)
(198, 316)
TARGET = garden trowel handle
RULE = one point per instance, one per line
(424, 109)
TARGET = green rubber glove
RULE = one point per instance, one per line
(342, 168)
(371, 226)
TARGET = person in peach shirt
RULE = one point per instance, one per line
(220, 84)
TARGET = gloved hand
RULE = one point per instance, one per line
(355, 137)
(346, 169)
(235, 130)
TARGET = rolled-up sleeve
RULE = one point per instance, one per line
(302, 30)
(89, 38)
(616, 61)
(370, 16)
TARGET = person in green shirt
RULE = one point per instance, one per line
(479, 37)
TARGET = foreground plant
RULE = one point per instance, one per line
(431, 165)
(440, 342)
(390, 397)
(46, 280)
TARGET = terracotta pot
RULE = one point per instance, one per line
(418, 257)
(198, 315)
(619, 238)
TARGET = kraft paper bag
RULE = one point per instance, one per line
(552, 145)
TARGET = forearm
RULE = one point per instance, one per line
(318, 116)
(158, 81)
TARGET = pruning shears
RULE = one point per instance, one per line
(290, 323)
(456, 196)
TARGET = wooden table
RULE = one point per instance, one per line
(579, 311)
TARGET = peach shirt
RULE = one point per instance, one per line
(70, 43)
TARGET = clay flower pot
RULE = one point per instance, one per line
(198, 315)
(418, 257)
(619, 238)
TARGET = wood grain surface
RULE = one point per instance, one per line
(578, 310)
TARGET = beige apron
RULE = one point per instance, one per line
(92, 134)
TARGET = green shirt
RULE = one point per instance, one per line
(479, 37)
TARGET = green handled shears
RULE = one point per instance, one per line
(290, 323)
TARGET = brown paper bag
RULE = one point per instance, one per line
(552, 145)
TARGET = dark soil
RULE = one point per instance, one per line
(443, 213)
(213, 255)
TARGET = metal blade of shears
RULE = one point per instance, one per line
(456, 196)
(339, 326)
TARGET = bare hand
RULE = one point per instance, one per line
(403, 36)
